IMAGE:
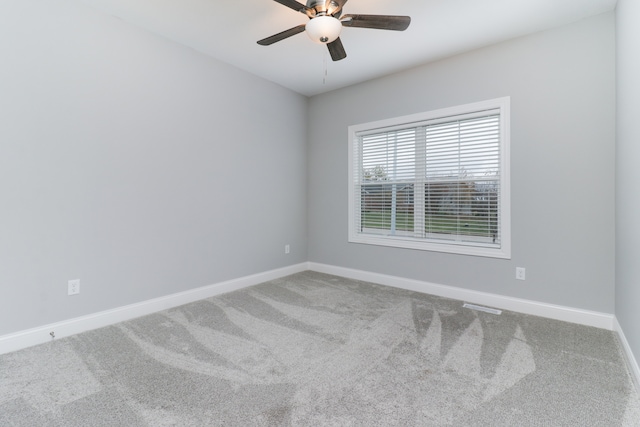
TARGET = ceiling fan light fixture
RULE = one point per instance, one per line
(323, 29)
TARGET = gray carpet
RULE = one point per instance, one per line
(319, 350)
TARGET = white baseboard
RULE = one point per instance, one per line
(632, 363)
(557, 312)
(41, 334)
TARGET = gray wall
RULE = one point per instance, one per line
(562, 88)
(628, 172)
(136, 165)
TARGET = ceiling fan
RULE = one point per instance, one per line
(326, 22)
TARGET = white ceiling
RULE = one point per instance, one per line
(228, 30)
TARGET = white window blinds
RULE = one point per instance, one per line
(438, 180)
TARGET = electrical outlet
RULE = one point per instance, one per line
(74, 287)
(520, 273)
(287, 249)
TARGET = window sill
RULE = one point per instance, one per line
(462, 248)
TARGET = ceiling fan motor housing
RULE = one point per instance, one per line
(323, 7)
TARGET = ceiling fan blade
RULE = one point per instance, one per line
(281, 36)
(378, 22)
(293, 4)
(336, 50)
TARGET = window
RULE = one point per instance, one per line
(434, 181)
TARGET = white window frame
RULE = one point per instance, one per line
(464, 248)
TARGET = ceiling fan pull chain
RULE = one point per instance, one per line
(324, 77)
